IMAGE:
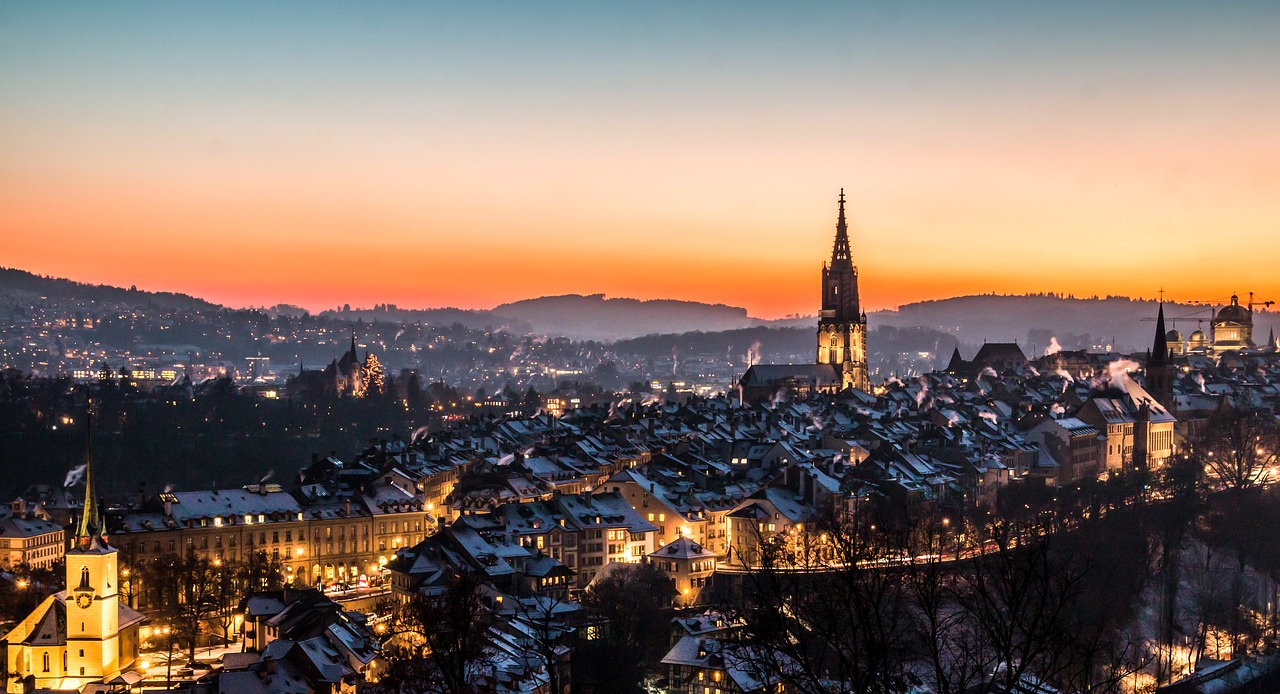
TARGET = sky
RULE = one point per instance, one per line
(468, 154)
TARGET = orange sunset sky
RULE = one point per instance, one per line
(469, 154)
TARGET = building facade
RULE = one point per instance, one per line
(30, 541)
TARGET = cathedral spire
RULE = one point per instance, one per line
(1160, 348)
(90, 528)
(840, 252)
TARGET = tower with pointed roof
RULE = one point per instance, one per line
(92, 599)
(842, 325)
(1159, 369)
(82, 635)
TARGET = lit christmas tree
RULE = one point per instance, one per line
(372, 379)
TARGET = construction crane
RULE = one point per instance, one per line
(1257, 302)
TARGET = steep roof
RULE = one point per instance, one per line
(682, 548)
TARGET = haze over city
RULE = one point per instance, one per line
(469, 154)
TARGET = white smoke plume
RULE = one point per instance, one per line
(989, 416)
(74, 475)
(507, 459)
(988, 371)
(675, 360)
(753, 354)
(923, 393)
(1118, 371)
(1199, 379)
(1057, 410)
(1066, 375)
(1053, 347)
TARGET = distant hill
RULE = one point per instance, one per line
(22, 287)
(594, 317)
(473, 319)
(1032, 320)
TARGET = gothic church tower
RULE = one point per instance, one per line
(842, 326)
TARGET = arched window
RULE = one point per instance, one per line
(46, 661)
(84, 575)
(834, 341)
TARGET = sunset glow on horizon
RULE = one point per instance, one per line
(451, 155)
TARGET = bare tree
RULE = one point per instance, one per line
(1239, 447)
(838, 617)
(541, 620)
(1017, 593)
(437, 644)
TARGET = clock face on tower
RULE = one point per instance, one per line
(84, 600)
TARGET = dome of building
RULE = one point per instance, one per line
(1234, 313)
(1198, 337)
(1173, 336)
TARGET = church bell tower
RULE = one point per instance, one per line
(92, 599)
(842, 326)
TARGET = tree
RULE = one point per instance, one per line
(1239, 447)
(539, 620)
(866, 607)
(829, 611)
(179, 587)
(259, 571)
(634, 603)
(436, 644)
(372, 380)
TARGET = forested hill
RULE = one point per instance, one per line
(594, 317)
(25, 288)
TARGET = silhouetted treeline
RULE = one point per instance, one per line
(192, 436)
